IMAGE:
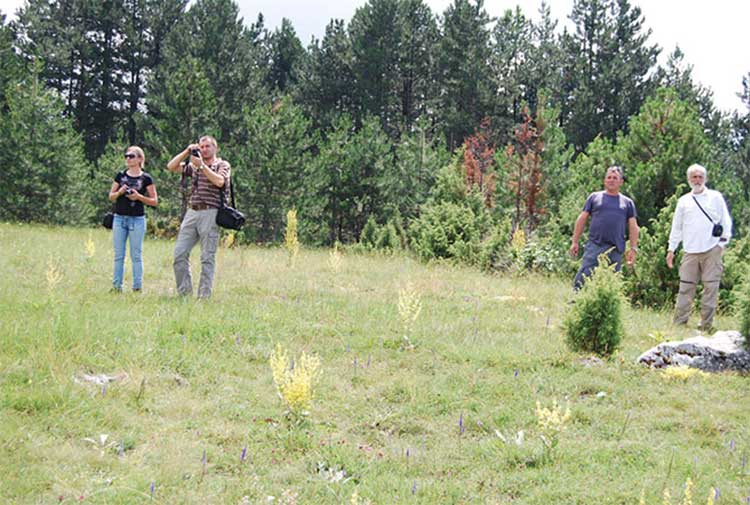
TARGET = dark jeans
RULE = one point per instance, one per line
(591, 254)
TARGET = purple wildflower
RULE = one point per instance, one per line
(414, 487)
(731, 444)
(368, 361)
(152, 488)
(716, 493)
(104, 389)
(461, 427)
(238, 340)
(243, 455)
(515, 372)
(408, 453)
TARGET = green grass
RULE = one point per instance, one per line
(484, 349)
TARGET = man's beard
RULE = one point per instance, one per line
(697, 188)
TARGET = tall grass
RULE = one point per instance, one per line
(194, 415)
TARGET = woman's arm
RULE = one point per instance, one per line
(116, 191)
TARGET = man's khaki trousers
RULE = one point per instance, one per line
(705, 267)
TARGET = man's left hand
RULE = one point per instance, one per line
(630, 257)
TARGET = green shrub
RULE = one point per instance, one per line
(369, 236)
(388, 238)
(451, 231)
(744, 306)
(651, 283)
(594, 322)
(736, 272)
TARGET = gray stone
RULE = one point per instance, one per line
(723, 351)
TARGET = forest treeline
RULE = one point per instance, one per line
(445, 132)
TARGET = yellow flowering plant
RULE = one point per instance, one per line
(551, 422)
(294, 379)
(290, 236)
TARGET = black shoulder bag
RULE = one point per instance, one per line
(109, 218)
(229, 217)
(717, 230)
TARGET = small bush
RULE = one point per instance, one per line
(651, 283)
(744, 306)
(594, 322)
(388, 238)
(369, 235)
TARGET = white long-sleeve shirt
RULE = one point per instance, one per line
(691, 227)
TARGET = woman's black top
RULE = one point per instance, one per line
(125, 206)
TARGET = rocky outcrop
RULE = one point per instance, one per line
(721, 352)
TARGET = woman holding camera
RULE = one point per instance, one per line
(130, 190)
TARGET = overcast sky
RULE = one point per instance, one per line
(713, 35)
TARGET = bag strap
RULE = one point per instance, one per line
(231, 191)
(183, 186)
(704, 212)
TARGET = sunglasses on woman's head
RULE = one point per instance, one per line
(130, 156)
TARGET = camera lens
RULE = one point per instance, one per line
(195, 152)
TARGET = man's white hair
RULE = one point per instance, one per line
(697, 168)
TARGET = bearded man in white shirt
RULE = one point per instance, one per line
(703, 224)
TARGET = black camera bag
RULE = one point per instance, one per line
(229, 217)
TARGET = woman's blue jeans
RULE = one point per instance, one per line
(124, 228)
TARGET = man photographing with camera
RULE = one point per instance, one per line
(702, 223)
(209, 175)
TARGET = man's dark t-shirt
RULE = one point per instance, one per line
(609, 218)
(124, 206)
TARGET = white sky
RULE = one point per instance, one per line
(712, 35)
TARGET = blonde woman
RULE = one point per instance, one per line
(131, 189)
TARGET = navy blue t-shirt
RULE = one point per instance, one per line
(609, 218)
(124, 206)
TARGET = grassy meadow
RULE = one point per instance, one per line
(427, 412)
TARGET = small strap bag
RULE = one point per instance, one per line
(717, 230)
(229, 217)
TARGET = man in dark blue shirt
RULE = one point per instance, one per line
(611, 213)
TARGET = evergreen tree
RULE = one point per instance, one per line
(663, 140)
(416, 86)
(679, 76)
(181, 109)
(98, 56)
(213, 34)
(406, 185)
(374, 36)
(271, 177)
(463, 70)
(344, 180)
(327, 86)
(511, 52)
(285, 59)
(11, 66)
(44, 171)
(606, 69)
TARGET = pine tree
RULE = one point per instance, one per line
(44, 170)
(327, 86)
(270, 179)
(463, 72)
(606, 69)
(285, 59)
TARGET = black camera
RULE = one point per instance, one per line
(196, 153)
(129, 191)
(717, 230)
